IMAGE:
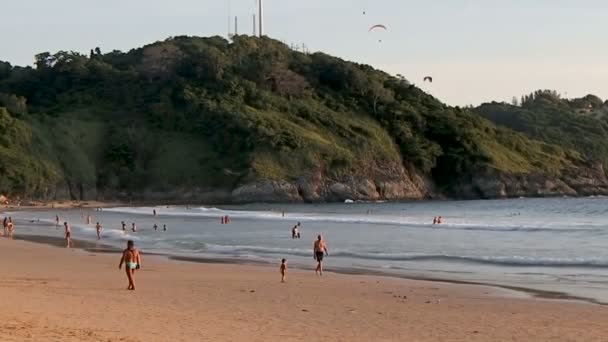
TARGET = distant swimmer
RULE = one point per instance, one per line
(155, 227)
(295, 234)
(98, 228)
(319, 249)
(124, 226)
(132, 260)
(164, 227)
(133, 227)
(283, 270)
(68, 235)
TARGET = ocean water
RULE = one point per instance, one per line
(558, 244)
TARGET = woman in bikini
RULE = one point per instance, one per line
(132, 260)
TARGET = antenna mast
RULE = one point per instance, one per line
(260, 18)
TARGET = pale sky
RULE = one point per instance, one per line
(476, 50)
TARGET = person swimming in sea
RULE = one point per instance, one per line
(132, 260)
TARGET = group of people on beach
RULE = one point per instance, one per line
(437, 220)
(131, 256)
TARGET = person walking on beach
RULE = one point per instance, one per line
(11, 228)
(5, 225)
(88, 219)
(164, 227)
(132, 260)
(283, 270)
(155, 227)
(68, 235)
(56, 221)
(124, 226)
(133, 227)
(319, 249)
(98, 228)
(154, 212)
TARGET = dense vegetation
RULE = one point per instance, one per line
(206, 113)
(577, 124)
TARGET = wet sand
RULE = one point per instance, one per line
(52, 294)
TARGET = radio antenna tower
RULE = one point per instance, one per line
(260, 18)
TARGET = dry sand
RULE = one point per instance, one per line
(55, 294)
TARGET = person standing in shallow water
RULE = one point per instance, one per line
(98, 228)
(319, 249)
(132, 260)
(68, 235)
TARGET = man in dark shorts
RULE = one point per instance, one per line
(319, 249)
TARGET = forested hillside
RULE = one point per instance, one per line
(206, 119)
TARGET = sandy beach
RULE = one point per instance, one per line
(58, 294)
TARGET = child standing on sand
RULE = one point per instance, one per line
(283, 270)
(68, 235)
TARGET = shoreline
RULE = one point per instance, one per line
(60, 294)
(95, 247)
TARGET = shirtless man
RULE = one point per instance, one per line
(132, 260)
(319, 249)
(68, 235)
(98, 228)
(10, 227)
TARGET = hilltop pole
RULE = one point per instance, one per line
(260, 18)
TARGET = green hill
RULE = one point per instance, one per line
(205, 119)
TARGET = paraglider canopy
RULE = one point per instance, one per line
(375, 27)
(428, 78)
